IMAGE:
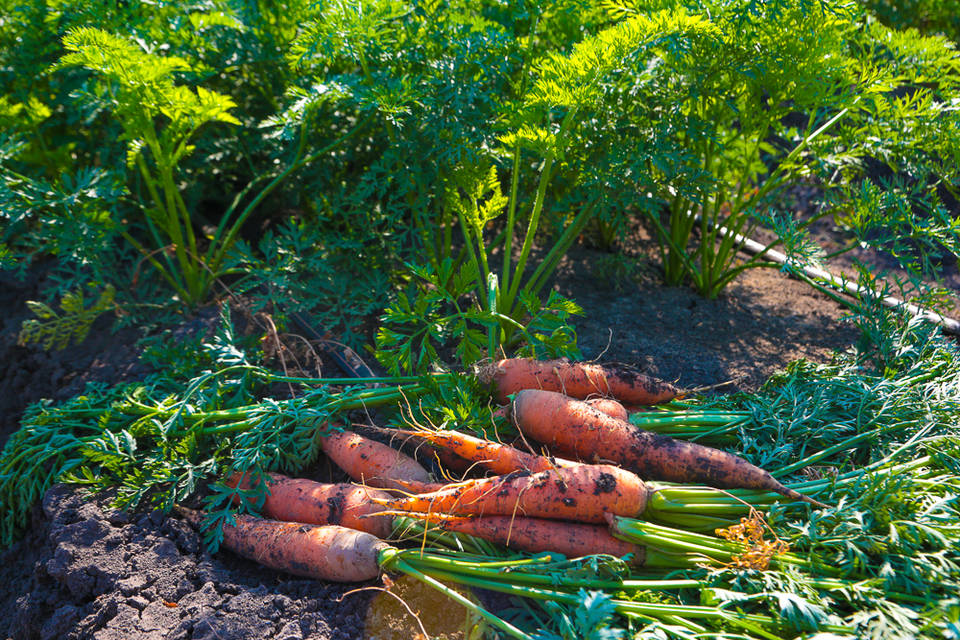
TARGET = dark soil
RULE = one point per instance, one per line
(29, 374)
(763, 321)
(85, 571)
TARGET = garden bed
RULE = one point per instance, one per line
(204, 204)
(85, 571)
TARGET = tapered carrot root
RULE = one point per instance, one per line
(536, 535)
(576, 379)
(322, 552)
(302, 500)
(573, 428)
(584, 493)
(493, 456)
(371, 462)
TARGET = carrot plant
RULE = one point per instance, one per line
(159, 120)
(725, 105)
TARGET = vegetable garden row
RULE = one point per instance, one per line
(405, 179)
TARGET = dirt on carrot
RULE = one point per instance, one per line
(573, 428)
(310, 502)
(576, 379)
(537, 535)
(322, 552)
(370, 462)
(584, 493)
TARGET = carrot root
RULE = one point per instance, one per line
(302, 500)
(576, 379)
(370, 462)
(323, 552)
(535, 535)
(573, 428)
(584, 493)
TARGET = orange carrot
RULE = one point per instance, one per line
(415, 486)
(493, 456)
(576, 379)
(327, 552)
(584, 493)
(610, 407)
(536, 535)
(371, 462)
(302, 500)
(573, 428)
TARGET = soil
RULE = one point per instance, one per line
(86, 571)
(29, 374)
(763, 321)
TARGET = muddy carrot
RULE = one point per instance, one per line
(303, 500)
(327, 552)
(575, 429)
(576, 379)
(493, 456)
(584, 493)
(536, 535)
(610, 407)
(370, 462)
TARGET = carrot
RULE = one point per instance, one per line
(371, 462)
(536, 535)
(415, 486)
(576, 379)
(573, 428)
(584, 493)
(327, 552)
(302, 500)
(610, 407)
(493, 456)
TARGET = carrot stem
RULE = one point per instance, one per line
(400, 565)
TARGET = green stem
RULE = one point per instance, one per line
(511, 218)
(545, 175)
(543, 272)
(218, 247)
(400, 565)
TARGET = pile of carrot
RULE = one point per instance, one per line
(593, 467)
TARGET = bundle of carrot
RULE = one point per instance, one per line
(619, 492)
(534, 503)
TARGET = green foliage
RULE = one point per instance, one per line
(418, 328)
(589, 620)
(54, 331)
(934, 17)
(139, 88)
(722, 105)
(161, 441)
(338, 280)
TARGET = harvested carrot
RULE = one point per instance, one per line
(610, 407)
(536, 535)
(371, 462)
(302, 500)
(415, 486)
(493, 456)
(327, 552)
(573, 428)
(576, 379)
(584, 493)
